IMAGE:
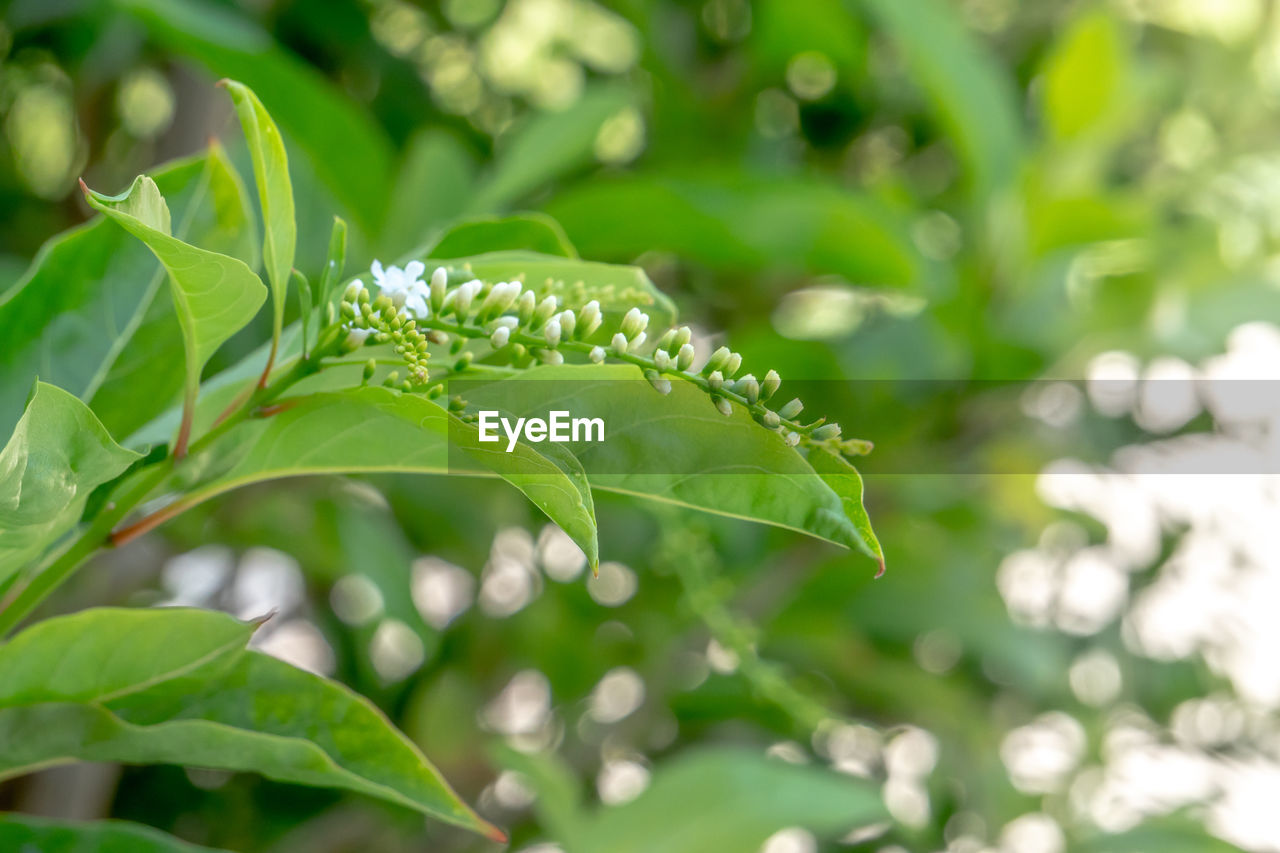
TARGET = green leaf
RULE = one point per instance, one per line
(617, 288)
(975, 102)
(20, 832)
(349, 152)
(845, 481)
(89, 292)
(548, 146)
(676, 447)
(731, 800)
(1084, 75)
(532, 232)
(736, 222)
(57, 455)
(275, 193)
(306, 304)
(435, 179)
(334, 264)
(198, 697)
(215, 294)
(364, 430)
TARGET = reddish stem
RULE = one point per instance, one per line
(147, 523)
(271, 360)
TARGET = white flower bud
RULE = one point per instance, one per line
(733, 364)
(790, 410)
(506, 320)
(590, 318)
(715, 380)
(661, 360)
(769, 387)
(398, 298)
(634, 322)
(500, 337)
(792, 439)
(619, 343)
(499, 298)
(597, 354)
(667, 341)
(718, 360)
(748, 387)
(439, 283)
(662, 386)
(545, 309)
(549, 356)
(552, 333)
(567, 322)
(356, 338)
(437, 337)
(771, 420)
(723, 405)
(683, 335)
(827, 431)
(637, 341)
(684, 358)
(525, 306)
(465, 295)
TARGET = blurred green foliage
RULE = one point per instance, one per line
(885, 189)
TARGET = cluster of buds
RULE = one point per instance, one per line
(522, 328)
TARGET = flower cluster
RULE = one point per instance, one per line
(521, 328)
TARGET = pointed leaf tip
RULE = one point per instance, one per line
(880, 571)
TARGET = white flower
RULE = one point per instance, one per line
(407, 284)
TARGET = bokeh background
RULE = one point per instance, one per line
(1075, 646)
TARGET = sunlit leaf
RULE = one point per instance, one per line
(58, 454)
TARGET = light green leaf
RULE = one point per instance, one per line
(198, 697)
(736, 222)
(616, 287)
(676, 447)
(532, 232)
(215, 294)
(86, 295)
(366, 430)
(975, 102)
(845, 481)
(730, 801)
(548, 146)
(344, 145)
(57, 455)
(275, 193)
(1083, 75)
(20, 832)
(335, 262)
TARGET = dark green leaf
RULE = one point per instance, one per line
(21, 833)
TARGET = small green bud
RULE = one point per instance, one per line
(369, 367)
(435, 390)
(464, 362)
(732, 366)
(771, 420)
(525, 306)
(393, 378)
(596, 355)
(718, 360)
(352, 293)
(667, 341)
(769, 387)
(348, 310)
(723, 405)
(748, 387)
(545, 309)
(438, 337)
(518, 351)
(456, 403)
(715, 380)
(634, 322)
(790, 410)
(549, 356)
(552, 333)
(457, 346)
(406, 386)
(661, 385)
(826, 431)
(684, 358)
(683, 335)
